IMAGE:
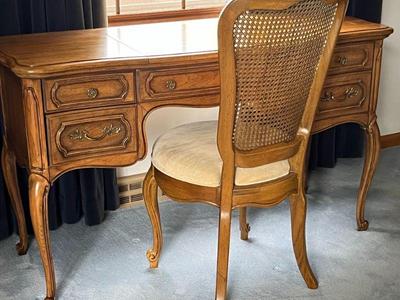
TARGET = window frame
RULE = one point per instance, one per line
(119, 19)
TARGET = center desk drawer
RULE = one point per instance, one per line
(66, 93)
(182, 82)
(73, 136)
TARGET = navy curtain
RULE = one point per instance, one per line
(86, 192)
(345, 140)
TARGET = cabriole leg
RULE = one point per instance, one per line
(38, 192)
(10, 176)
(151, 202)
(373, 148)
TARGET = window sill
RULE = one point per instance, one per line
(165, 16)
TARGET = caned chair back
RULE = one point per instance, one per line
(274, 55)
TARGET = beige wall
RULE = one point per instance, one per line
(388, 108)
(389, 93)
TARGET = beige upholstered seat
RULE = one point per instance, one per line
(189, 153)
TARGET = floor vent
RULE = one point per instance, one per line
(130, 190)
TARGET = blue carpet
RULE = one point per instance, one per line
(108, 261)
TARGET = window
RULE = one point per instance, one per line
(142, 11)
(145, 6)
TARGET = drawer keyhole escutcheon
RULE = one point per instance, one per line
(83, 134)
(92, 93)
(342, 60)
(328, 96)
(170, 84)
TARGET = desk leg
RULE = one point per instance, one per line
(371, 160)
(38, 192)
(10, 177)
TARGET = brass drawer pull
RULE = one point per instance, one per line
(82, 134)
(170, 84)
(328, 96)
(351, 92)
(342, 60)
(92, 93)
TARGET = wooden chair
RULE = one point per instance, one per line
(273, 58)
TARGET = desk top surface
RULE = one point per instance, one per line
(33, 55)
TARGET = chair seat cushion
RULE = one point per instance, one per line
(189, 153)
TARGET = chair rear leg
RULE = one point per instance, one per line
(151, 202)
(244, 226)
(223, 253)
(298, 208)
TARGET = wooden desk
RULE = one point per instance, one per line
(80, 99)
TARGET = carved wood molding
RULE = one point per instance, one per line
(106, 132)
(324, 124)
(352, 57)
(92, 79)
(342, 60)
(34, 134)
(174, 90)
(353, 89)
(372, 123)
(366, 56)
(376, 79)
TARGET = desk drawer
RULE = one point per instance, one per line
(88, 91)
(352, 57)
(73, 136)
(345, 94)
(172, 83)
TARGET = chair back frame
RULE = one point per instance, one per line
(294, 150)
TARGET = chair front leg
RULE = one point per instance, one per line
(244, 226)
(223, 253)
(298, 208)
(151, 202)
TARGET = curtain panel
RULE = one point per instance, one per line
(87, 192)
